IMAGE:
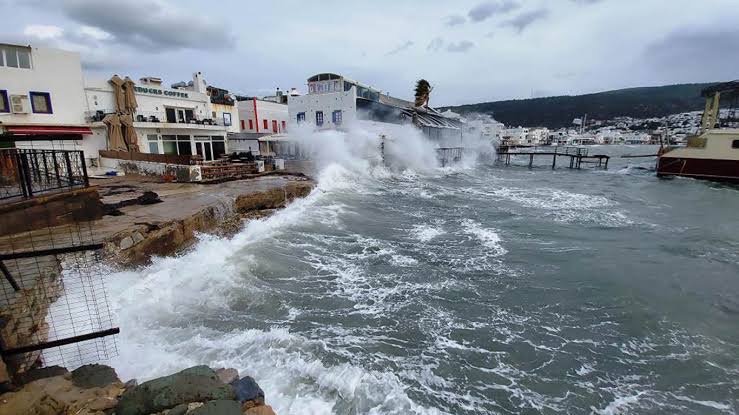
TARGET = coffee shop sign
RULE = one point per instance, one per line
(146, 90)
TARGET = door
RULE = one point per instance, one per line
(205, 150)
(171, 116)
(274, 126)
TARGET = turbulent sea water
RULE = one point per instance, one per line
(469, 290)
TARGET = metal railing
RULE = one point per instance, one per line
(25, 173)
(156, 117)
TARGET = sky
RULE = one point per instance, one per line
(469, 50)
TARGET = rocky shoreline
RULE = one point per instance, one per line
(97, 390)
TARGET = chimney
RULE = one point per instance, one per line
(198, 82)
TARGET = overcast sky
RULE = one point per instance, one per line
(470, 51)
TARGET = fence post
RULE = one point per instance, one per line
(85, 179)
(26, 179)
(70, 174)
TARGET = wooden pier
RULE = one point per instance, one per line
(577, 155)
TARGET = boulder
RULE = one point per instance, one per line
(40, 373)
(260, 410)
(219, 407)
(247, 389)
(196, 384)
(59, 395)
(227, 375)
(94, 376)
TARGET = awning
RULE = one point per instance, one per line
(48, 130)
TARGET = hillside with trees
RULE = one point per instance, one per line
(559, 111)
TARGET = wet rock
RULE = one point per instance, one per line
(126, 242)
(59, 395)
(40, 373)
(137, 237)
(94, 376)
(219, 407)
(196, 384)
(179, 409)
(131, 384)
(260, 410)
(247, 389)
(228, 375)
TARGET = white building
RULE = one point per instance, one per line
(334, 101)
(487, 128)
(262, 116)
(515, 136)
(537, 136)
(189, 119)
(42, 100)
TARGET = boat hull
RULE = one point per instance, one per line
(699, 168)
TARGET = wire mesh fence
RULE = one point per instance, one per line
(54, 307)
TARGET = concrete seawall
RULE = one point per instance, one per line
(164, 228)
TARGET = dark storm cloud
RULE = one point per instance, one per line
(707, 55)
(400, 48)
(151, 24)
(462, 46)
(454, 20)
(524, 20)
(485, 10)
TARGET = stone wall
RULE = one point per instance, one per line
(53, 210)
(139, 243)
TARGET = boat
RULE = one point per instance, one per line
(712, 154)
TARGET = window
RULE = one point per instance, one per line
(4, 104)
(284, 127)
(243, 125)
(251, 124)
(266, 125)
(169, 144)
(153, 144)
(41, 102)
(336, 117)
(219, 146)
(227, 119)
(319, 118)
(15, 57)
(183, 145)
(274, 126)
(301, 117)
(735, 144)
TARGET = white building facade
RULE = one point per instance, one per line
(262, 116)
(331, 102)
(179, 121)
(42, 100)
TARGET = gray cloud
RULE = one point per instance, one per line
(696, 55)
(454, 20)
(485, 10)
(435, 45)
(400, 48)
(524, 20)
(461, 46)
(150, 24)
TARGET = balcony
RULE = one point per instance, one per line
(158, 119)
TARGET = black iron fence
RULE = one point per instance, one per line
(26, 173)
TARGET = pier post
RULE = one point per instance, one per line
(554, 159)
(572, 161)
(531, 160)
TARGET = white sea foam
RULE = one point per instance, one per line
(426, 232)
(487, 236)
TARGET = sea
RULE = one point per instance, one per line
(475, 288)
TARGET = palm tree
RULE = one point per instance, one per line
(423, 90)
